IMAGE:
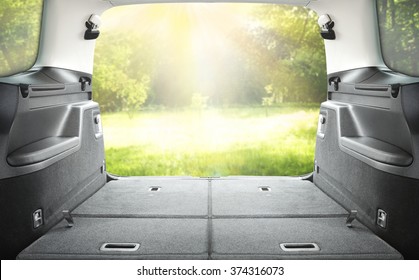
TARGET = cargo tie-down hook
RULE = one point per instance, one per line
(68, 218)
(351, 217)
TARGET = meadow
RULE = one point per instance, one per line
(212, 142)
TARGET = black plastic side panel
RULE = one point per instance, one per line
(8, 105)
(42, 104)
(371, 110)
(410, 101)
(377, 110)
(65, 175)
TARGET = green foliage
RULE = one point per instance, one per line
(198, 101)
(218, 142)
(228, 65)
(258, 160)
(268, 101)
(120, 82)
(291, 54)
(20, 24)
(399, 26)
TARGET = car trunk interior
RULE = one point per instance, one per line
(209, 218)
(58, 201)
(53, 174)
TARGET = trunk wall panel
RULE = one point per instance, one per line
(63, 185)
(357, 185)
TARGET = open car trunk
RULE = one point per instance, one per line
(53, 161)
(209, 218)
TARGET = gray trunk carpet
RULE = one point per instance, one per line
(224, 218)
(132, 197)
(158, 239)
(264, 197)
(244, 238)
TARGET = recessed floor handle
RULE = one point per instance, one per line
(299, 247)
(120, 247)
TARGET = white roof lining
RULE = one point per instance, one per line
(357, 44)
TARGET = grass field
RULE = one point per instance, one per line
(213, 142)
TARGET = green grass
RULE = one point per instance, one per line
(214, 142)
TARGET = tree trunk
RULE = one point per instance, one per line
(392, 8)
(384, 12)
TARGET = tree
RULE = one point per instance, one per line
(399, 26)
(20, 23)
(284, 51)
(120, 81)
(199, 102)
(230, 64)
(290, 53)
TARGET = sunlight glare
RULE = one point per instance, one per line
(201, 37)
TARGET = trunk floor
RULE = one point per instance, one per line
(223, 218)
